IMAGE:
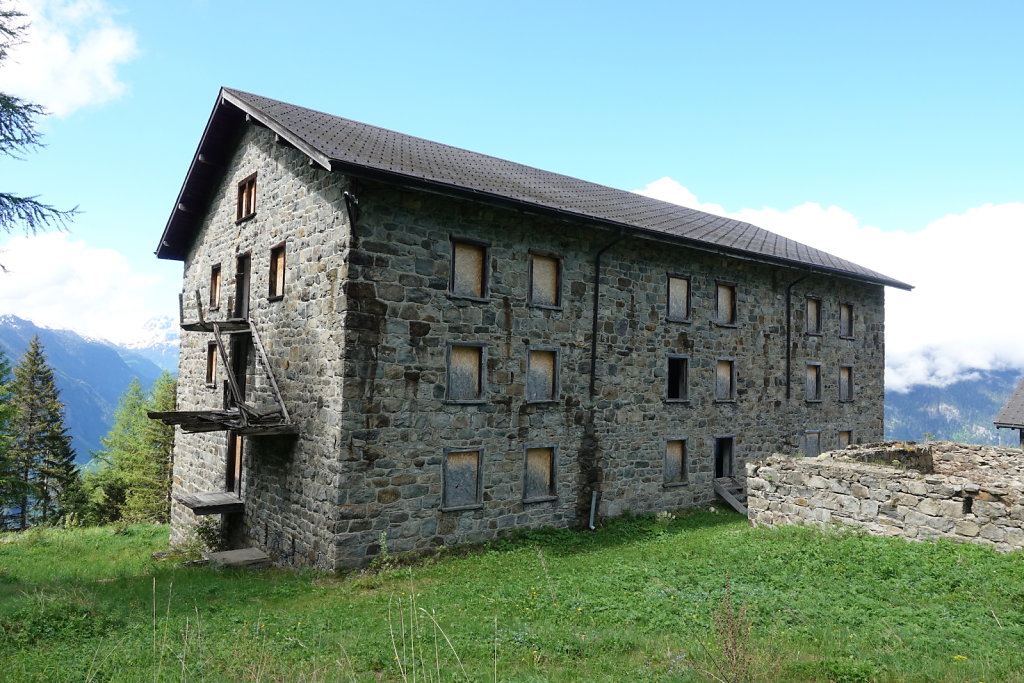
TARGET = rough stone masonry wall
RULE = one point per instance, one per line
(973, 493)
(289, 486)
(400, 318)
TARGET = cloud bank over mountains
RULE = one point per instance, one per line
(965, 269)
(69, 55)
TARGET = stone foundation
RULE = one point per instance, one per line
(937, 490)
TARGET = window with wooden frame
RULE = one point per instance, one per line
(678, 378)
(813, 382)
(725, 304)
(545, 288)
(845, 382)
(676, 465)
(813, 309)
(468, 277)
(461, 477)
(541, 375)
(246, 207)
(277, 270)
(215, 287)
(812, 443)
(540, 474)
(846, 321)
(466, 379)
(845, 438)
(678, 299)
(725, 379)
(211, 364)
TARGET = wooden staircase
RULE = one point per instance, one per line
(241, 417)
(732, 492)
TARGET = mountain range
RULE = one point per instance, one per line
(91, 374)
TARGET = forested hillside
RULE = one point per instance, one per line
(91, 375)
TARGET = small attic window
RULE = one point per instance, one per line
(246, 207)
(277, 272)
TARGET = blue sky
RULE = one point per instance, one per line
(852, 126)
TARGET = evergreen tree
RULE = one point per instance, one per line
(10, 481)
(135, 479)
(40, 450)
(18, 134)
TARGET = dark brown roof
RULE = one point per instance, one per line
(360, 149)
(1012, 414)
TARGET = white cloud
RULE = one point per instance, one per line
(965, 268)
(69, 56)
(57, 282)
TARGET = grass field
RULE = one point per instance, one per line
(700, 597)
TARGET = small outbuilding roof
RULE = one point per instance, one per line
(1012, 414)
(339, 144)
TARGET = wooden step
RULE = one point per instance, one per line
(211, 502)
(732, 492)
(243, 558)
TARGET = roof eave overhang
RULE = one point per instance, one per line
(231, 113)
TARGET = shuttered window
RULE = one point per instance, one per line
(678, 298)
(845, 383)
(462, 477)
(539, 478)
(542, 375)
(469, 270)
(846, 320)
(726, 304)
(545, 281)
(675, 462)
(725, 380)
(465, 372)
(813, 388)
(813, 315)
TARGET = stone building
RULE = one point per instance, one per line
(393, 340)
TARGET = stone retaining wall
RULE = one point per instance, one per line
(973, 494)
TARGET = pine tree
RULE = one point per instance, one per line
(134, 482)
(18, 134)
(40, 450)
(10, 482)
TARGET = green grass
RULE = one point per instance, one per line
(640, 600)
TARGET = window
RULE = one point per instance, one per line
(845, 382)
(277, 272)
(845, 438)
(813, 382)
(466, 372)
(211, 364)
(542, 375)
(812, 444)
(461, 479)
(846, 321)
(678, 298)
(469, 270)
(678, 378)
(545, 281)
(215, 287)
(813, 315)
(725, 380)
(246, 207)
(539, 478)
(675, 462)
(725, 308)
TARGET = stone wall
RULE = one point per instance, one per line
(360, 340)
(972, 493)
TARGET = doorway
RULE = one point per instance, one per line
(243, 266)
(233, 467)
(724, 456)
